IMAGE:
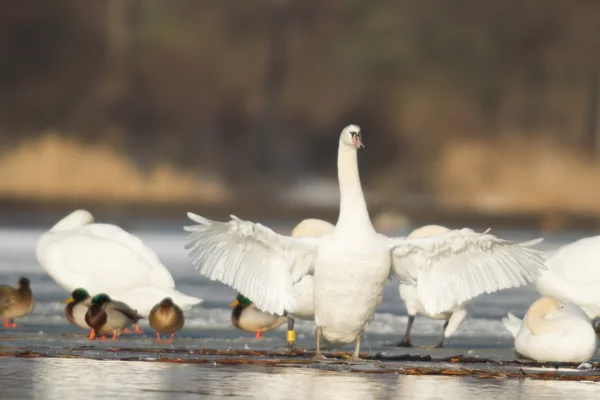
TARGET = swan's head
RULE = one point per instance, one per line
(312, 227)
(351, 137)
(78, 294)
(545, 306)
(76, 219)
(100, 299)
(241, 300)
(427, 231)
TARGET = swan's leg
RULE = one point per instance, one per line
(157, 336)
(92, 335)
(318, 355)
(137, 328)
(258, 334)
(441, 343)
(291, 335)
(355, 359)
(405, 342)
(114, 336)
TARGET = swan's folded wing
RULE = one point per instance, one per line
(512, 324)
(456, 266)
(251, 258)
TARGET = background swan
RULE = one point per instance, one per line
(553, 331)
(103, 258)
(351, 264)
(573, 275)
(408, 293)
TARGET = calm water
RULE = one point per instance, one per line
(209, 326)
(61, 379)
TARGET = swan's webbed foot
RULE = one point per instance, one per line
(404, 343)
(319, 357)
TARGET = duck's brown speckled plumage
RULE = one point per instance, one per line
(166, 317)
(16, 302)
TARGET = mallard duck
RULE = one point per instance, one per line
(247, 317)
(15, 303)
(77, 307)
(107, 316)
(166, 317)
(553, 331)
(354, 262)
(103, 258)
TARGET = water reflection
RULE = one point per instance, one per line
(64, 379)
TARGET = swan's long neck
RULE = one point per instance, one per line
(353, 209)
(72, 221)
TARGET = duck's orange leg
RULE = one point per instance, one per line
(115, 336)
(137, 329)
(10, 324)
(92, 335)
(171, 338)
(258, 334)
(103, 337)
(126, 330)
(157, 336)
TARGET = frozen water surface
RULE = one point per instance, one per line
(209, 326)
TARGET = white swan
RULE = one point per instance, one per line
(553, 331)
(351, 264)
(573, 275)
(103, 258)
(408, 293)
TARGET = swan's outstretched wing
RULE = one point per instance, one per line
(458, 265)
(259, 263)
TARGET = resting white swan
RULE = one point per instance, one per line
(351, 264)
(103, 258)
(553, 331)
(408, 293)
(573, 275)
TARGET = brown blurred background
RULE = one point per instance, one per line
(479, 109)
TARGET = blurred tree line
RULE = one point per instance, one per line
(241, 88)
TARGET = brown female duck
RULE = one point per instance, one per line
(15, 303)
(166, 317)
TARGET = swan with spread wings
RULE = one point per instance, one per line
(351, 264)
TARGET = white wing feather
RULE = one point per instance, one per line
(102, 258)
(453, 267)
(512, 324)
(251, 258)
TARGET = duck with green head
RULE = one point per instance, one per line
(107, 316)
(166, 317)
(247, 317)
(16, 302)
(77, 307)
